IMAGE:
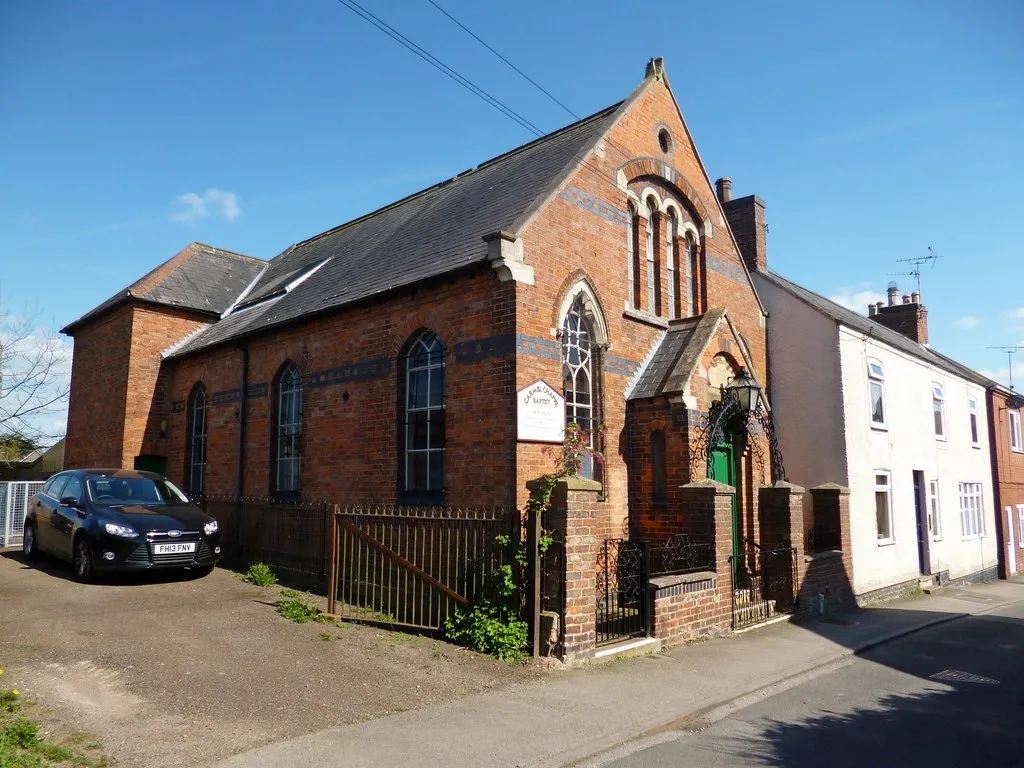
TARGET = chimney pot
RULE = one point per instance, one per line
(906, 298)
(872, 309)
(893, 294)
(915, 298)
(724, 187)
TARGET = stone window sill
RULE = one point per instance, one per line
(664, 582)
(645, 317)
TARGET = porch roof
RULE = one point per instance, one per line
(669, 369)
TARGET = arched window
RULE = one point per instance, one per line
(422, 470)
(652, 270)
(671, 232)
(693, 285)
(580, 366)
(287, 456)
(659, 467)
(196, 451)
(634, 257)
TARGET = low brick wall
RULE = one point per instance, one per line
(688, 607)
(825, 585)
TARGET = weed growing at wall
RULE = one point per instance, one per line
(261, 575)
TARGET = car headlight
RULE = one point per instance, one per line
(124, 531)
(210, 528)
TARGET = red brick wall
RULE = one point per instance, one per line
(575, 237)
(680, 616)
(350, 446)
(114, 412)
(99, 381)
(1009, 475)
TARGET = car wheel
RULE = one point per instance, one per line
(28, 542)
(83, 561)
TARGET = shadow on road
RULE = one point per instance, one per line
(60, 569)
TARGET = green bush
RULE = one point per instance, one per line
(9, 700)
(260, 575)
(22, 733)
(488, 629)
(299, 609)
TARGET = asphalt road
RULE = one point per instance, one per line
(952, 696)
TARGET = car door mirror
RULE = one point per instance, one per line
(71, 501)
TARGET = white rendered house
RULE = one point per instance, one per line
(904, 428)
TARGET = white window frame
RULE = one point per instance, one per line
(939, 398)
(975, 427)
(876, 379)
(1016, 440)
(631, 276)
(1020, 526)
(885, 488)
(671, 232)
(652, 222)
(934, 511)
(972, 511)
(288, 432)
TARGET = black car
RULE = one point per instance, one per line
(119, 520)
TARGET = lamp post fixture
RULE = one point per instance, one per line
(742, 404)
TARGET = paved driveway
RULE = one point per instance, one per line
(170, 671)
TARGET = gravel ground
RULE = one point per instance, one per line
(172, 671)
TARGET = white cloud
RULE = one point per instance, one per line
(1018, 313)
(968, 322)
(857, 298)
(213, 202)
(1002, 375)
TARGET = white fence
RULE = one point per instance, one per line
(14, 500)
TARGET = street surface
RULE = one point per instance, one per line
(952, 695)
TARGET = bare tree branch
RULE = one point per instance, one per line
(35, 376)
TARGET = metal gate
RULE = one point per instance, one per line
(15, 498)
(622, 609)
(763, 584)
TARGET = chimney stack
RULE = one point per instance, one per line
(724, 187)
(908, 317)
(746, 219)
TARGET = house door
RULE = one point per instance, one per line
(921, 510)
(723, 469)
(1011, 547)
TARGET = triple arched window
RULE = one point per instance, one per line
(422, 418)
(195, 452)
(658, 238)
(286, 463)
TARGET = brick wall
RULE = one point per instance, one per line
(1008, 466)
(687, 609)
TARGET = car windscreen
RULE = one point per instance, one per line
(122, 491)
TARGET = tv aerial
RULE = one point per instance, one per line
(1010, 352)
(918, 262)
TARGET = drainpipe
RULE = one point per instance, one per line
(243, 409)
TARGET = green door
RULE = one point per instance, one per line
(723, 469)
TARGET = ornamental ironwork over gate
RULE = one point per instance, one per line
(621, 591)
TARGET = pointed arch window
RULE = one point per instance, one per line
(423, 444)
(196, 453)
(633, 245)
(580, 380)
(287, 456)
(671, 232)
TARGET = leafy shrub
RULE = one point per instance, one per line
(299, 609)
(22, 733)
(261, 575)
(9, 700)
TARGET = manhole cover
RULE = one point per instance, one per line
(841, 622)
(958, 676)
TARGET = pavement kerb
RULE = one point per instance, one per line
(716, 711)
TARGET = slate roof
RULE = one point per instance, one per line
(851, 319)
(433, 232)
(207, 279)
(674, 360)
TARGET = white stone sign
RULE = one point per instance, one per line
(541, 413)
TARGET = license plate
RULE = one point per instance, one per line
(175, 548)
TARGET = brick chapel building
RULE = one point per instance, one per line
(380, 360)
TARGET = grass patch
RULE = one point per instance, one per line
(21, 746)
(300, 608)
(261, 575)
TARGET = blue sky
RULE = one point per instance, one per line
(872, 130)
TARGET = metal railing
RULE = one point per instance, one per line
(286, 536)
(15, 498)
(411, 566)
(621, 606)
(681, 554)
